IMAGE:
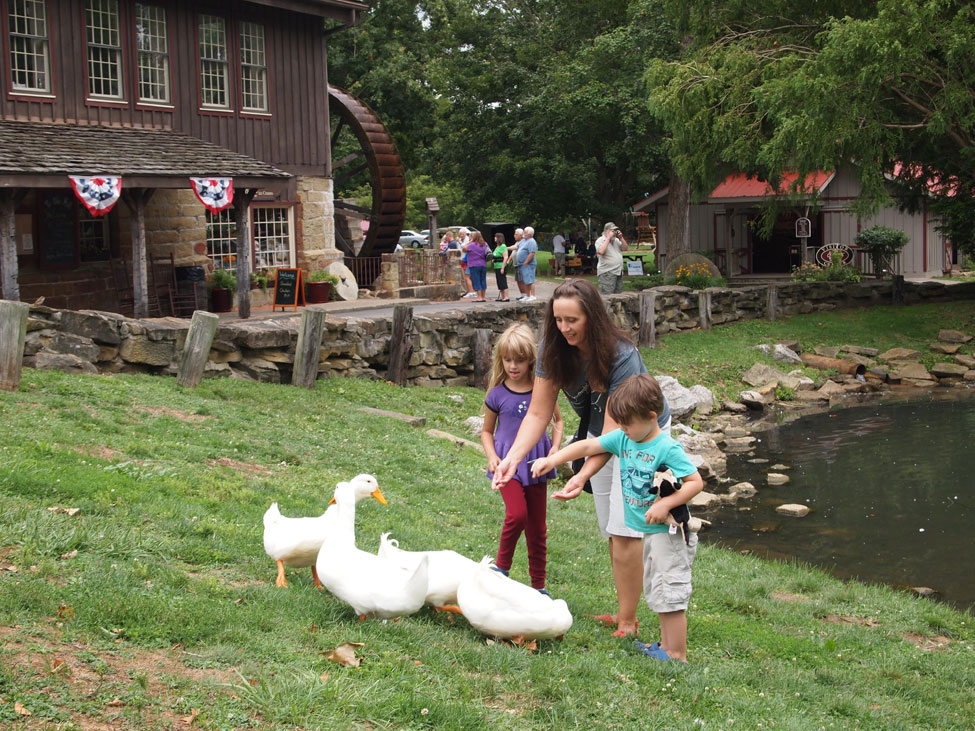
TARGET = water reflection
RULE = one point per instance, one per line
(891, 492)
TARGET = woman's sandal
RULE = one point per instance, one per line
(607, 620)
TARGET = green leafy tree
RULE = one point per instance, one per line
(771, 86)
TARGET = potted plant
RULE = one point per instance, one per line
(223, 284)
(318, 286)
(260, 280)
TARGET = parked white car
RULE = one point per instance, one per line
(414, 239)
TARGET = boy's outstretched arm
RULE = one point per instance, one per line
(690, 486)
(581, 448)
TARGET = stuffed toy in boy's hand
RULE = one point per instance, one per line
(680, 514)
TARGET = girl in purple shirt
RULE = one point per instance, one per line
(525, 496)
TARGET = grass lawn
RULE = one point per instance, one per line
(135, 592)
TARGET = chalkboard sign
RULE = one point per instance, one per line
(288, 291)
(58, 246)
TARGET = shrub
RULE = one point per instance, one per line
(881, 244)
(322, 275)
(837, 271)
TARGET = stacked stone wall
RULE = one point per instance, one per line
(442, 343)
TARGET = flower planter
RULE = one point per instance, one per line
(317, 292)
(221, 300)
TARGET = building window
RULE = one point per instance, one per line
(222, 239)
(253, 68)
(104, 49)
(152, 49)
(93, 236)
(214, 64)
(30, 58)
(272, 237)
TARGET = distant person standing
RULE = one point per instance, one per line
(476, 251)
(465, 239)
(609, 252)
(558, 250)
(528, 262)
(501, 263)
(513, 255)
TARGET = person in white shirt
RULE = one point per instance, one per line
(558, 249)
(609, 254)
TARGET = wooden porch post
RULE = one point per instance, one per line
(10, 198)
(242, 201)
(136, 199)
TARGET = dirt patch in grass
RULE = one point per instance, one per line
(862, 621)
(181, 415)
(928, 644)
(124, 688)
(248, 467)
(786, 597)
(100, 451)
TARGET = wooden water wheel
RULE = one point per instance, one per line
(368, 155)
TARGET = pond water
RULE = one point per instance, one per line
(892, 492)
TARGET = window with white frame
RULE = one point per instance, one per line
(152, 53)
(30, 56)
(222, 239)
(272, 237)
(214, 63)
(104, 49)
(253, 68)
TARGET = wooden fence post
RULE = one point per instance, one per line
(648, 319)
(400, 345)
(772, 305)
(196, 349)
(309, 347)
(898, 294)
(13, 330)
(482, 357)
(704, 309)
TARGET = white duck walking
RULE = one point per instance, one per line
(369, 584)
(503, 607)
(445, 570)
(296, 542)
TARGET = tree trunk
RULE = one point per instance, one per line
(678, 217)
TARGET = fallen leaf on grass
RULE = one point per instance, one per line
(65, 611)
(324, 676)
(57, 665)
(9, 567)
(72, 554)
(67, 511)
(19, 709)
(344, 654)
(188, 720)
(115, 702)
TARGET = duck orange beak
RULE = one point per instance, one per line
(378, 494)
(332, 501)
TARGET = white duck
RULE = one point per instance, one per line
(296, 542)
(370, 584)
(503, 607)
(445, 570)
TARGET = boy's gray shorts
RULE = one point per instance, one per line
(667, 562)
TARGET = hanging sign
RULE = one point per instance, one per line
(803, 228)
(288, 291)
(99, 193)
(214, 193)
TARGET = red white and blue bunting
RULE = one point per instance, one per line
(214, 193)
(99, 193)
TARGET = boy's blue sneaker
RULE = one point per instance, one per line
(500, 571)
(653, 650)
(545, 592)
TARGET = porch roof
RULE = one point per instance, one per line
(41, 155)
(741, 188)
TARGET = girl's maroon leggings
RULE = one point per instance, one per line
(524, 511)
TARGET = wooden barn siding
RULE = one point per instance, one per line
(295, 137)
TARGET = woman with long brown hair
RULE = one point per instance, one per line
(586, 356)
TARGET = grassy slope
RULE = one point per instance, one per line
(171, 485)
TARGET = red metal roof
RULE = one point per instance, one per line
(739, 185)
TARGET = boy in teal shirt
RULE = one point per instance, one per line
(643, 450)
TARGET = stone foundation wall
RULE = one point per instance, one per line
(442, 343)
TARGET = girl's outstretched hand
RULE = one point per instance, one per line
(493, 463)
(503, 474)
